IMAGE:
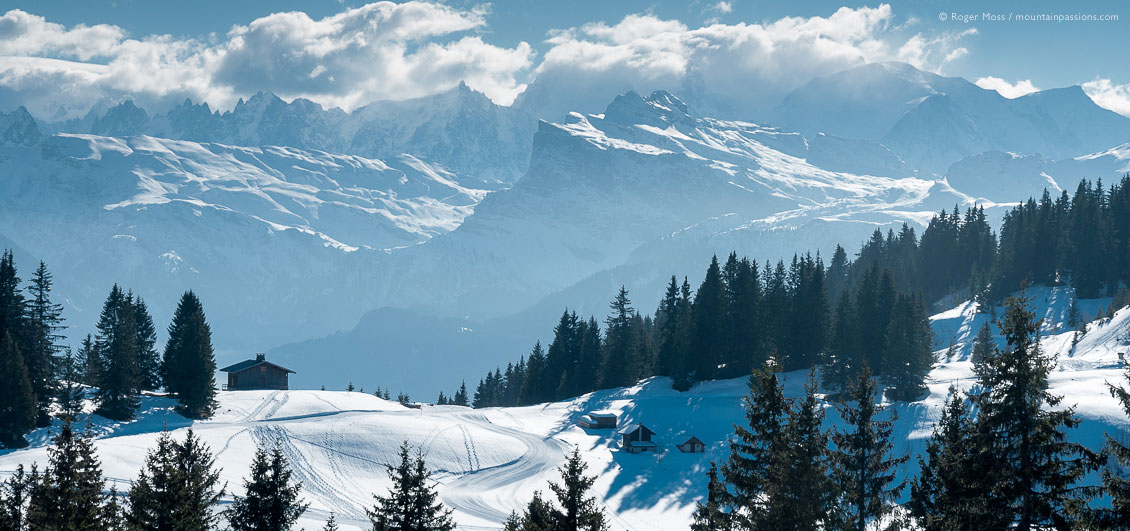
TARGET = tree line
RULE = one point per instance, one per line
(41, 377)
(999, 458)
(871, 310)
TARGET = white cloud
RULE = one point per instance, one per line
(379, 51)
(745, 66)
(1109, 95)
(724, 7)
(1006, 89)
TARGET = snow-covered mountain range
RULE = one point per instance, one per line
(445, 232)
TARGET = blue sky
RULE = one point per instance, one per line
(161, 52)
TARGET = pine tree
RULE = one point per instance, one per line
(708, 334)
(17, 400)
(68, 495)
(578, 511)
(1036, 469)
(331, 524)
(272, 500)
(621, 343)
(712, 515)
(411, 504)
(863, 467)
(539, 515)
(118, 378)
(113, 514)
(1073, 318)
(176, 489)
(145, 339)
(189, 363)
(91, 361)
(349, 388)
(909, 352)
(842, 359)
(756, 448)
(43, 321)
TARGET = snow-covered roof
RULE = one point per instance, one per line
(630, 428)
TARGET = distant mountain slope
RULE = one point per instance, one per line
(932, 121)
(462, 128)
(268, 228)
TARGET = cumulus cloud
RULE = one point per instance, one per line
(744, 66)
(1109, 95)
(1006, 89)
(382, 50)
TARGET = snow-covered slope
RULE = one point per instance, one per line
(490, 461)
(931, 121)
(1007, 177)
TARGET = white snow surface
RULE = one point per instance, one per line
(489, 462)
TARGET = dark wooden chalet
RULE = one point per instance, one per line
(598, 420)
(636, 438)
(692, 446)
(257, 374)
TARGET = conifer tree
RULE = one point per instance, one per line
(909, 352)
(578, 511)
(621, 342)
(43, 321)
(803, 496)
(712, 515)
(539, 515)
(91, 361)
(145, 339)
(412, 502)
(13, 306)
(983, 346)
(460, 398)
(271, 502)
(70, 392)
(14, 494)
(176, 489)
(1073, 313)
(842, 359)
(331, 524)
(349, 387)
(756, 448)
(1116, 480)
(864, 469)
(1036, 469)
(709, 320)
(17, 400)
(952, 489)
(68, 494)
(189, 363)
(118, 378)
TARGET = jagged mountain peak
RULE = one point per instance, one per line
(18, 128)
(660, 109)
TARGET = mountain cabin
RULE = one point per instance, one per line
(598, 420)
(257, 374)
(692, 446)
(636, 438)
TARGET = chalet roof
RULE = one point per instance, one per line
(694, 440)
(247, 364)
(601, 414)
(633, 427)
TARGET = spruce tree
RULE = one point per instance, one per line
(864, 469)
(1073, 318)
(621, 343)
(412, 502)
(578, 511)
(13, 306)
(909, 354)
(952, 491)
(842, 359)
(756, 448)
(460, 398)
(176, 489)
(43, 321)
(539, 515)
(1035, 470)
(272, 500)
(983, 346)
(802, 496)
(712, 515)
(331, 524)
(118, 378)
(17, 400)
(145, 340)
(709, 320)
(14, 494)
(70, 392)
(68, 495)
(189, 363)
